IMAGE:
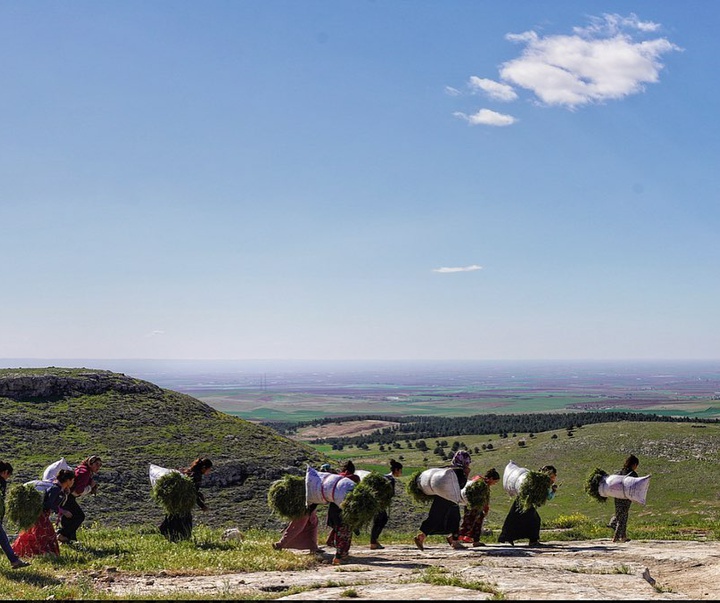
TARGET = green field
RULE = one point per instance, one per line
(298, 406)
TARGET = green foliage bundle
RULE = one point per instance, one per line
(286, 497)
(534, 489)
(592, 484)
(175, 493)
(381, 486)
(415, 491)
(477, 494)
(23, 505)
(360, 506)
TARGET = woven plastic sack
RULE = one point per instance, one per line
(322, 488)
(156, 472)
(441, 481)
(625, 486)
(513, 477)
(362, 473)
(41, 485)
(51, 471)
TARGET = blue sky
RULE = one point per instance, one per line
(359, 180)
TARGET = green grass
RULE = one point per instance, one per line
(139, 551)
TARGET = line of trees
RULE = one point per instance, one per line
(434, 427)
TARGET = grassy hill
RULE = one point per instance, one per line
(72, 413)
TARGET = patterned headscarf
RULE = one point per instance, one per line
(461, 459)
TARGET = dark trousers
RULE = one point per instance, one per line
(379, 522)
(5, 545)
(69, 525)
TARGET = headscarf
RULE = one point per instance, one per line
(461, 459)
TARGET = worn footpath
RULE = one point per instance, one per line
(595, 570)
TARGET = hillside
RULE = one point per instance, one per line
(69, 412)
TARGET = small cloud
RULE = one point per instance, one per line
(494, 90)
(604, 61)
(487, 117)
(155, 333)
(471, 268)
(450, 91)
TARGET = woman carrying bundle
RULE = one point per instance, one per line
(179, 527)
(41, 538)
(622, 505)
(471, 528)
(381, 519)
(84, 484)
(523, 523)
(340, 534)
(444, 515)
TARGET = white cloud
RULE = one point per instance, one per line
(450, 91)
(458, 269)
(494, 90)
(487, 117)
(598, 63)
(155, 333)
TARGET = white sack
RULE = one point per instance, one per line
(156, 472)
(51, 471)
(362, 473)
(624, 486)
(322, 488)
(513, 477)
(41, 485)
(441, 481)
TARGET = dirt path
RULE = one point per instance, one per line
(595, 570)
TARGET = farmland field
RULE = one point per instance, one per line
(690, 390)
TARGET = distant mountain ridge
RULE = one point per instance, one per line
(57, 412)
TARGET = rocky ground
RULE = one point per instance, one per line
(595, 570)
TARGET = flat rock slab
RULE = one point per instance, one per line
(594, 570)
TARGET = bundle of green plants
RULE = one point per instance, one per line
(592, 484)
(415, 491)
(361, 504)
(534, 489)
(381, 486)
(23, 505)
(175, 493)
(477, 494)
(286, 497)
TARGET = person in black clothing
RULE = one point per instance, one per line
(520, 524)
(622, 505)
(179, 527)
(444, 515)
(381, 519)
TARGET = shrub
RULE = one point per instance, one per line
(175, 493)
(592, 484)
(534, 489)
(23, 506)
(414, 489)
(286, 497)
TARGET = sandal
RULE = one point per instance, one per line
(419, 543)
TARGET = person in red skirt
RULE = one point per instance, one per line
(40, 539)
(471, 527)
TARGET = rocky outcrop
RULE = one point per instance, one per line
(62, 383)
